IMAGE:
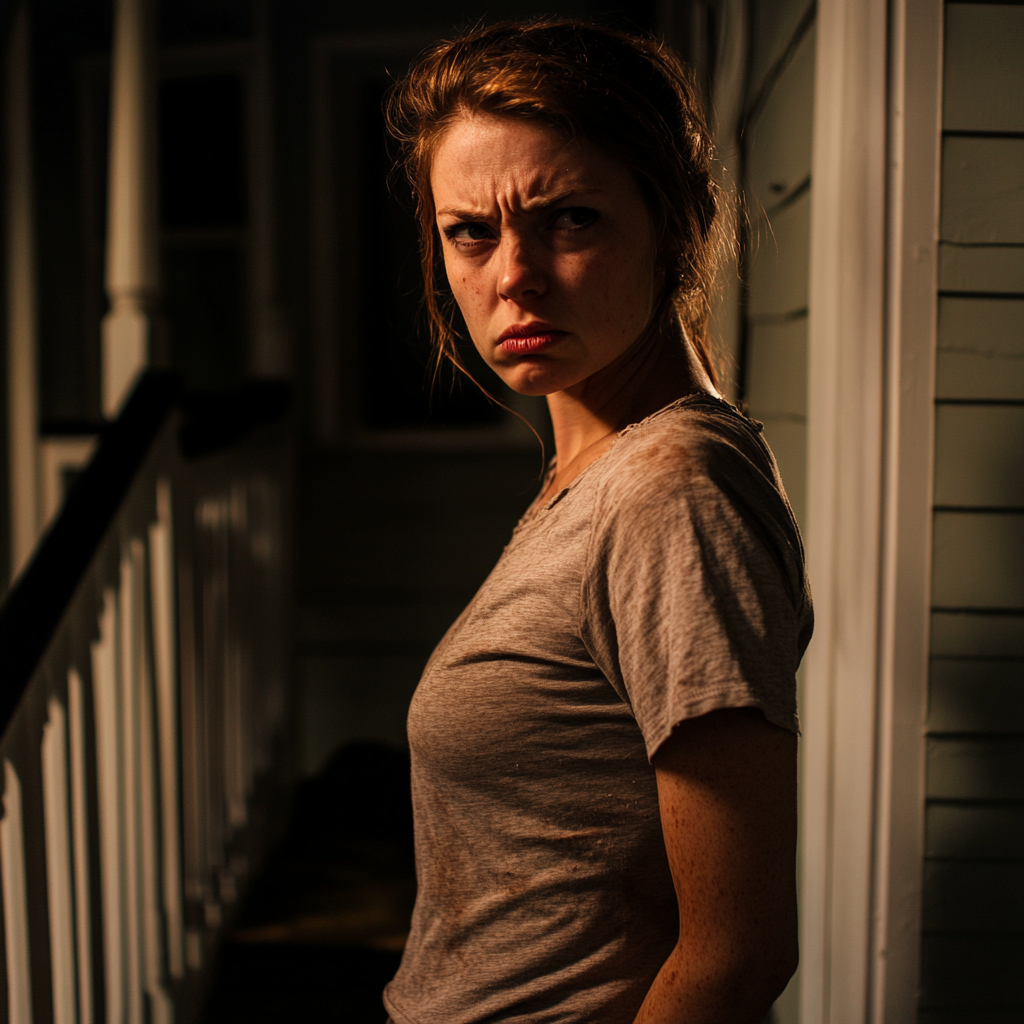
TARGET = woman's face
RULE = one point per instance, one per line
(549, 249)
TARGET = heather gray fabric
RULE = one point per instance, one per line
(665, 582)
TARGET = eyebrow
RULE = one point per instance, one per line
(541, 203)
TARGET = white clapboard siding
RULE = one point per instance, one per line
(110, 780)
(961, 634)
(984, 70)
(975, 832)
(774, 24)
(162, 597)
(978, 455)
(969, 974)
(983, 695)
(80, 834)
(981, 348)
(59, 883)
(778, 275)
(982, 189)
(779, 140)
(12, 869)
(978, 560)
(981, 268)
(976, 768)
(777, 368)
(982, 896)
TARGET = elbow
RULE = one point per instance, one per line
(760, 976)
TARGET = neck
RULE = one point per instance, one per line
(648, 376)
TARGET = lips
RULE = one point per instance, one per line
(526, 339)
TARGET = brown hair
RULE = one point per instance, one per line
(629, 95)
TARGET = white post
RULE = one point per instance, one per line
(22, 373)
(132, 225)
(845, 494)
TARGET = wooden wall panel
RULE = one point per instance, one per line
(774, 25)
(779, 142)
(976, 695)
(981, 348)
(978, 455)
(973, 897)
(981, 268)
(777, 368)
(973, 972)
(978, 560)
(967, 634)
(982, 190)
(778, 277)
(973, 906)
(984, 70)
(982, 768)
(967, 832)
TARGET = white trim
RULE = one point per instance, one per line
(914, 160)
(845, 417)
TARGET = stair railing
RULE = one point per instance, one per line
(144, 740)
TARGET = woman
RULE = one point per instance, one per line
(604, 743)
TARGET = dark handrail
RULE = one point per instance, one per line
(34, 608)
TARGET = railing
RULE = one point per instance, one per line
(143, 715)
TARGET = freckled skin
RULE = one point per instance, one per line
(516, 249)
(727, 793)
(537, 228)
(594, 281)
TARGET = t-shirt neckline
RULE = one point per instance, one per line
(694, 398)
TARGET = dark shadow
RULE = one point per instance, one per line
(322, 929)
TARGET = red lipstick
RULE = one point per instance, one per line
(526, 339)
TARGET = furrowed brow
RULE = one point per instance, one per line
(545, 201)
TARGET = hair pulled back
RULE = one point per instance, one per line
(628, 95)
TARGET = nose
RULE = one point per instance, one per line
(522, 273)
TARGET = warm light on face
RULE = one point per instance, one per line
(549, 249)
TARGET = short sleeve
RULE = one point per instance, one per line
(694, 595)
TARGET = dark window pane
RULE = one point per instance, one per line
(202, 152)
(203, 308)
(396, 387)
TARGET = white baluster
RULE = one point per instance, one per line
(59, 889)
(163, 592)
(12, 865)
(161, 1010)
(129, 655)
(80, 846)
(110, 776)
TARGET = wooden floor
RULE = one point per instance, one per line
(322, 929)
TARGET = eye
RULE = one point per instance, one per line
(573, 218)
(468, 234)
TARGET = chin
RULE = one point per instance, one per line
(537, 381)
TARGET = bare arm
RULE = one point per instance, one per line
(727, 792)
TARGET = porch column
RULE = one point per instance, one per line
(132, 226)
(22, 358)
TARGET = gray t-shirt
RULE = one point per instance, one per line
(666, 581)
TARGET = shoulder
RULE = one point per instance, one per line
(693, 448)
